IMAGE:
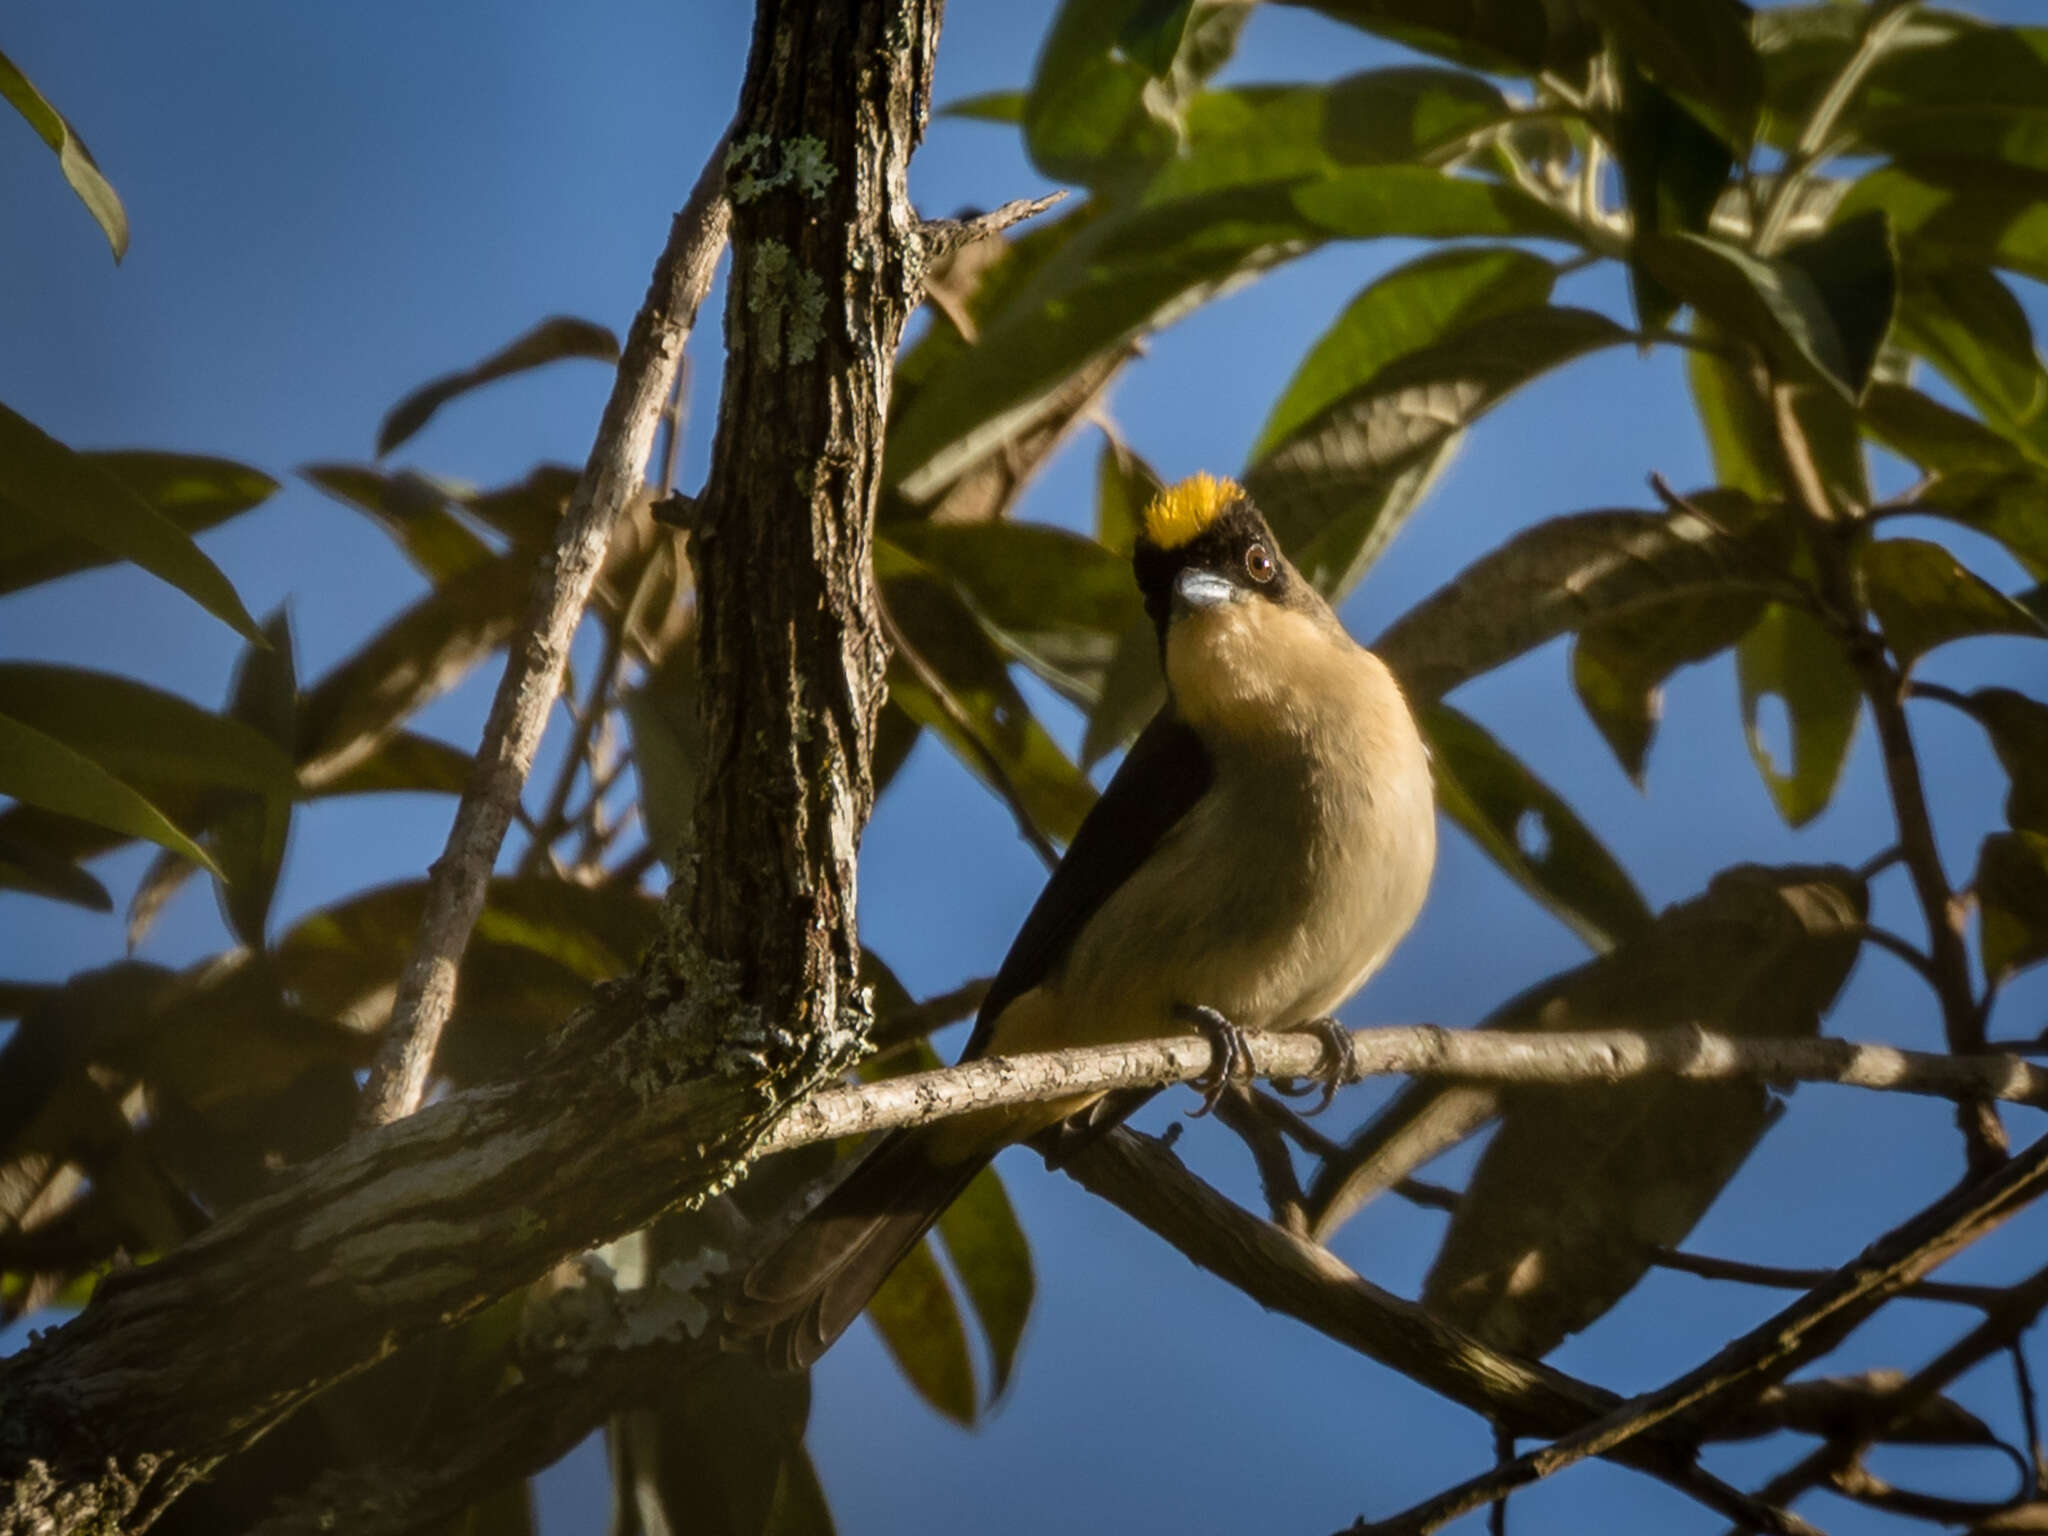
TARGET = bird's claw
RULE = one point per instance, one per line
(1331, 1073)
(1230, 1057)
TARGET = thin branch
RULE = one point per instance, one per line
(942, 237)
(539, 648)
(1890, 942)
(2030, 1418)
(1817, 1322)
(1238, 1111)
(1778, 1277)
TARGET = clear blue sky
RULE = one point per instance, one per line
(332, 203)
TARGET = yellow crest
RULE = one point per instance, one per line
(1184, 512)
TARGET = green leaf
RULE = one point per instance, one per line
(1673, 169)
(25, 865)
(75, 496)
(1497, 36)
(1098, 113)
(1054, 599)
(2018, 727)
(915, 1314)
(1967, 323)
(1923, 597)
(1974, 91)
(412, 509)
(664, 715)
(1792, 656)
(1699, 48)
(1124, 486)
(1580, 1185)
(992, 1259)
(1619, 665)
(248, 832)
(1572, 572)
(556, 337)
(1378, 201)
(1522, 824)
(195, 493)
(418, 656)
(1133, 690)
(969, 699)
(988, 107)
(1415, 306)
(73, 158)
(1959, 212)
(2012, 902)
(1856, 274)
(166, 875)
(1406, 413)
(1742, 434)
(405, 762)
(43, 771)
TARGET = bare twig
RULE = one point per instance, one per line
(942, 237)
(1238, 1111)
(1765, 1355)
(534, 660)
(1708, 1267)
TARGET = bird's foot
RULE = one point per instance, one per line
(1065, 1141)
(1231, 1057)
(1331, 1073)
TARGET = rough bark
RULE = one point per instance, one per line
(656, 1093)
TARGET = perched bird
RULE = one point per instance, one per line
(1265, 844)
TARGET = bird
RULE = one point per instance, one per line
(1266, 842)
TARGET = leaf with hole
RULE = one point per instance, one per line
(555, 338)
(1619, 665)
(73, 158)
(1791, 656)
(1923, 597)
(74, 496)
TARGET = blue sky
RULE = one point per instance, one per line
(332, 204)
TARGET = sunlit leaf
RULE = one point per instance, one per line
(1967, 323)
(74, 496)
(1960, 212)
(1498, 36)
(43, 771)
(195, 493)
(1742, 434)
(2012, 901)
(1923, 597)
(73, 158)
(1529, 831)
(1790, 655)
(919, 1324)
(1580, 1185)
(992, 1258)
(557, 337)
(1124, 486)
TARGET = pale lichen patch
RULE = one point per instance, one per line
(756, 166)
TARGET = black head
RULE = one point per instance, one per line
(1202, 543)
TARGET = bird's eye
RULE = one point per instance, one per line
(1258, 563)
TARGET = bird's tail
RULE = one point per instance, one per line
(809, 1290)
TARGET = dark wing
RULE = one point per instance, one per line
(1165, 773)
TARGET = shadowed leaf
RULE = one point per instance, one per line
(1528, 830)
(1790, 655)
(248, 831)
(1673, 169)
(1924, 597)
(1133, 689)
(1619, 665)
(1699, 48)
(557, 337)
(73, 158)
(26, 865)
(1124, 486)
(1498, 36)
(2018, 727)
(919, 1323)
(412, 509)
(1966, 322)
(75, 496)
(2012, 902)
(992, 1258)
(43, 771)
(1960, 212)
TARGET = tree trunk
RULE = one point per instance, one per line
(654, 1094)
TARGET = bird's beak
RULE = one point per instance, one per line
(1202, 589)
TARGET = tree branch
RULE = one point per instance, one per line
(540, 647)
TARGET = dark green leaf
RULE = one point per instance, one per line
(418, 656)
(915, 1314)
(141, 734)
(1619, 665)
(1527, 829)
(248, 831)
(1572, 572)
(988, 107)
(1742, 434)
(1562, 1213)
(1802, 49)
(1955, 212)
(1337, 555)
(1415, 306)
(1698, 48)
(1375, 202)
(557, 337)
(1498, 36)
(668, 752)
(26, 865)
(76, 496)
(42, 771)
(1404, 414)
(1923, 597)
(1792, 656)
(2012, 902)
(1133, 689)
(1965, 90)
(1673, 169)
(1975, 476)
(1855, 273)
(2018, 727)
(17, 997)
(194, 493)
(412, 509)
(1967, 323)
(73, 158)
(508, 1511)
(1055, 600)
(405, 762)
(969, 699)
(992, 1258)
(1124, 486)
